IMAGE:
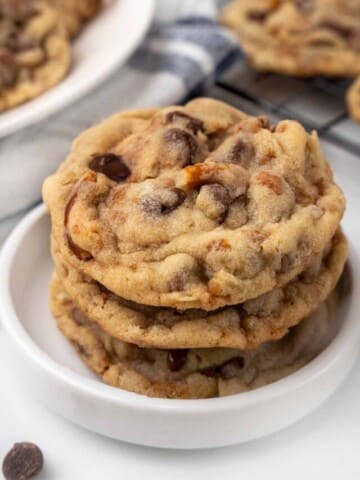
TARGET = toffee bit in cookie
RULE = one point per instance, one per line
(111, 165)
(176, 359)
(23, 461)
(183, 141)
(194, 124)
(226, 370)
(163, 201)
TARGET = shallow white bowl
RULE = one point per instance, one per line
(104, 45)
(49, 368)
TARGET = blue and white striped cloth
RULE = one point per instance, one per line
(183, 52)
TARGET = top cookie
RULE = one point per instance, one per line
(193, 207)
(298, 37)
(34, 51)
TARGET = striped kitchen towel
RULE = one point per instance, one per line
(183, 53)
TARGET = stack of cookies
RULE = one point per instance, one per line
(301, 37)
(196, 249)
(35, 49)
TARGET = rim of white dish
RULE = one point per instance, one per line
(347, 336)
(81, 88)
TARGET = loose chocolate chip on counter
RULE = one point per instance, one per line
(226, 370)
(176, 359)
(163, 202)
(23, 461)
(194, 124)
(184, 141)
(111, 165)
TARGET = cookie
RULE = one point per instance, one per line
(353, 100)
(244, 326)
(298, 37)
(199, 206)
(34, 51)
(74, 14)
(198, 373)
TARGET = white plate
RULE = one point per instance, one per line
(104, 45)
(48, 368)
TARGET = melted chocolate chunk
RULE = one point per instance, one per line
(111, 165)
(257, 15)
(17, 10)
(79, 252)
(226, 370)
(194, 124)
(163, 202)
(23, 461)
(176, 359)
(8, 68)
(304, 5)
(342, 30)
(185, 142)
(79, 316)
(68, 208)
(242, 152)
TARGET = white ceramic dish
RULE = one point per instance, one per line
(48, 367)
(104, 45)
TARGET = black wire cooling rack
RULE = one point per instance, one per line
(318, 103)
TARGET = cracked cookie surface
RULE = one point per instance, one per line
(199, 206)
(298, 37)
(198, 373)
(34, 51)
(245, 326)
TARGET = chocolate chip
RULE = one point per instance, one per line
(226, 370)
(213, 200)
(8, 68)
(194, 124)
(163, 202)
(79, 252)
(17, 9)
(178, 281)
(68, 208)
(185, 142)
(304, 5)
(81, 349)
(264, 121)
(257, 15)
(111, 165)
(23, 461)
(242, 152)
(342, 30)
(79, 316)
(176, 359)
